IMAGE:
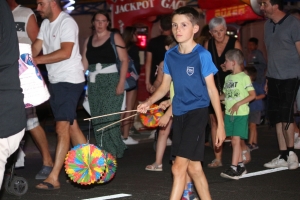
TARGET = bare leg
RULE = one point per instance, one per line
(196, 173)
(162, 142)
(255, 134)
(179, 169)
(214, 126)
(130, 102)
(188, 179)
(246, 151)
(281, 137)
(296, 127)
(289, 134)
(63, 144)
(236, 150)
(252, 129)
(76, 134)
(39, 136)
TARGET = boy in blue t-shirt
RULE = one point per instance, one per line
(191, 69)
(256, 107)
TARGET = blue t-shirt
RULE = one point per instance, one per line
(188, 72)
(257, 105)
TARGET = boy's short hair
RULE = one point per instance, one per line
(216, 21)
(170, 41)
(252, 72)
(235, 55)
(189, 12)
(166, 22)
(254, 40)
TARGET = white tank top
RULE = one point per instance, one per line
(21, 16)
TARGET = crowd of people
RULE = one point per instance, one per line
(233, 91)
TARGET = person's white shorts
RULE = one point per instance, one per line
(32, 119)
(32, 123)
(7, 147)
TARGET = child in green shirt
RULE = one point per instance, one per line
(238, 92)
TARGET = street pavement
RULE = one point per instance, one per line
(132, 178)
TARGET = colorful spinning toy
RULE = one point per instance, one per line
(152, 116)
(85, 164)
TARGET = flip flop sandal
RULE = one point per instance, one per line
(49, 186)
(215, 164)
(43, 173)
(154, 167)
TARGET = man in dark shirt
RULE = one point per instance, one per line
(12, 109)
(156, 51)
(282, 40)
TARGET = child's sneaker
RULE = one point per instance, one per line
(254, 146)
(185, 195)
(190, 188)
(241, 170)
(192, 196)
(231, 174)
(250, 146)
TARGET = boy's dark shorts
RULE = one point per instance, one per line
(189, 134)
(64, 99)
(281, 98)
(254, 117)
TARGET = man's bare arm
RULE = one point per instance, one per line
(32, 28)
(61, 54)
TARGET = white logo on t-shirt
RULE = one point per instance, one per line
(190, 70)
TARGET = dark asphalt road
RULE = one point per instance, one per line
(131, 178)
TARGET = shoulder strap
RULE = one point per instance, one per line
(112, 41)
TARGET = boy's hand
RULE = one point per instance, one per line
(223, 67)
(165, 104)
(234, 108)
(266, 88)
(143, 107)
(220, 137)
(164, 120)
(152, 89)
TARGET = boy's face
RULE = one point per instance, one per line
(251, 46)
(228, 64)
(183, 29)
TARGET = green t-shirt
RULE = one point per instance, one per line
(171, 91)
(236, 88)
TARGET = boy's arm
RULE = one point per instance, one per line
(158, 94)
(215, 101)
(222, 97)
(258, 97)
(164, 120)
(159, 77)
(165, 104)
(249, 98)
(148, 70)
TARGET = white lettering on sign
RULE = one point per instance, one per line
(127, 7)
(172, 4)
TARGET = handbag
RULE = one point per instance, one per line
(86, 104)
(131, 75)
